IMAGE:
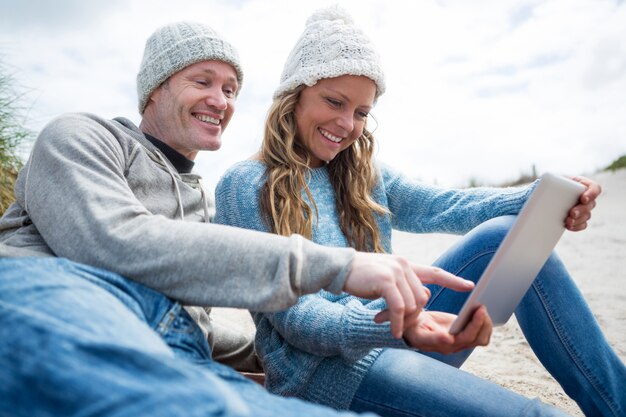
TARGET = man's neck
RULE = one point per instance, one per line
(182, 164)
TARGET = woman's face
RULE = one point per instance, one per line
(331, 115)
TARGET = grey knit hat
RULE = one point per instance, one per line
(176, 46)
(331, 46)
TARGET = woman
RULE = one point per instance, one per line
(315, 176)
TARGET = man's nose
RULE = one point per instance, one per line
(216, 99)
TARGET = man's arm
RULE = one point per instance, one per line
(76, 193)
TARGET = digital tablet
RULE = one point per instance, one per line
(523, 252)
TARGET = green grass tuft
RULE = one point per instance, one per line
(619, 163)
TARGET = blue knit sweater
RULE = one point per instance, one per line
(321, 348)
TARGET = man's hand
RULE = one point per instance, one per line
(580, 214)
(430, 332)
(399, 282)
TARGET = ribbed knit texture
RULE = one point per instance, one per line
(331, 46)
(321, 348)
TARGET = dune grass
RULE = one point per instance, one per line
(619, 163)
(13, 134)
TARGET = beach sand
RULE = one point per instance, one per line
(596, 259)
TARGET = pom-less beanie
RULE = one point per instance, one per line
(176, 46)
(331, 46)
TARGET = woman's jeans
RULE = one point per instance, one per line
(556, 322)
(80, 341)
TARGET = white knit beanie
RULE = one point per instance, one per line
(331, 46)
(176, 46)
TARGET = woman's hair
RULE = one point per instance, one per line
(351, 173)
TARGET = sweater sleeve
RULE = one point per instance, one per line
(76, 193)
(421, 208)
(322, 324)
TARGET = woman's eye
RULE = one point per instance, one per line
(363, 114)
(333, 102)
(202, 82)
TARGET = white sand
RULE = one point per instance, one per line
(596, 258)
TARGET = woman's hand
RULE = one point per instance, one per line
(429, 332)
(580, 214)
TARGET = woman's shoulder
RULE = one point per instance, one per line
(245, 168)
(237, 194)
(243, 174)
(241, 182)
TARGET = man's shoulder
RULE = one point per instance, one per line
(78, 118)
(87, 130)
(80, 122)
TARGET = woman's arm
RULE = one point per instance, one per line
(421, 208)
(325, 324)
(322, 324)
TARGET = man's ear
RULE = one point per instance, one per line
(155, 94)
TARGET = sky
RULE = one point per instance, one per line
(477, 90)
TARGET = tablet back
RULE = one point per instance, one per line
(524, 250)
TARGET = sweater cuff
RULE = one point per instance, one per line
(363, 334)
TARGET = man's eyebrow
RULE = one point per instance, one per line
(211, 71)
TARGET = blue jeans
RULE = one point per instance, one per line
(556, 322)
(81, 341)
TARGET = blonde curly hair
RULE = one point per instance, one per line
(287, 161)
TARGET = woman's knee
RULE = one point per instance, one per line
(478, 244)
(492, 231)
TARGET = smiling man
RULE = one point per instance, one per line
(110, 237)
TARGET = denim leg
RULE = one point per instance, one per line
(263, 404)
(403, 383)
(80, 341)
(554, 318)
(70, 347)
(565, 336)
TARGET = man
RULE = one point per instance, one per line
(110, 235)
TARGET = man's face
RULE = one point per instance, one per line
(192, 108)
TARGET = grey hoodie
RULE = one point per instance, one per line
(97, 192)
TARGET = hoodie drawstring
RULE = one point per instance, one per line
(205, 204)
(178, 196)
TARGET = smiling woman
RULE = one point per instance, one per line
(332, 114)
(316, 175)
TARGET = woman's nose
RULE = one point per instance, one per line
(345, 121)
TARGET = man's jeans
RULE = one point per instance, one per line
(80, 341)
(553, 316)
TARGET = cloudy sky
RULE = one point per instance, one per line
(477, 89)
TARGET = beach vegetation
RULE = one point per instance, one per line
(13, 135)
(619, 163)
